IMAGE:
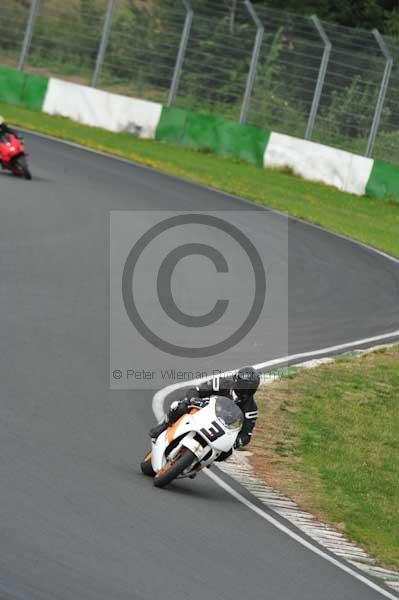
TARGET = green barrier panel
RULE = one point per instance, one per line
(212, 134)
(171, 125)
(22, 89)
(226, 138)
(383, 181)
(34, 92)
(11, 85)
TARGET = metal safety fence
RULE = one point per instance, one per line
(234, 58)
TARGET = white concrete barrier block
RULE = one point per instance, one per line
(102, 109)
(315, 162)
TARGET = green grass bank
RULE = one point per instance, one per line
(329, 438)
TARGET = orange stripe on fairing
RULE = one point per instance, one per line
(172, 428)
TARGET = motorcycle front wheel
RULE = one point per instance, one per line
(146, 466)
(174, 468)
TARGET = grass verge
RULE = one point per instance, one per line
(374, 222)
(329, 438)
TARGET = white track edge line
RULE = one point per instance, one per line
(292, 534)
(159, 397)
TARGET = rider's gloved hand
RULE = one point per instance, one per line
(242, 440)
(198, 402)
(177, 409)
(174, 405)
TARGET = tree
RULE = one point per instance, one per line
(367, 14)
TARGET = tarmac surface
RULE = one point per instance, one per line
(77, 518)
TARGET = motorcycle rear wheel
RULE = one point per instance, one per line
(174, 469)
(21, 167)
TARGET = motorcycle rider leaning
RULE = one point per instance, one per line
(4, 129)
(240, 388)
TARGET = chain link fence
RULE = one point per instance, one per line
(239, 60)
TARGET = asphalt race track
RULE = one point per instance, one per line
(77, 518)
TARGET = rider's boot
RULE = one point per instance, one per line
(158, 429)
(177, 409)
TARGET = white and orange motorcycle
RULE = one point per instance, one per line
(195, 441)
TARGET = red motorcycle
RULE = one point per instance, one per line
(13, 156)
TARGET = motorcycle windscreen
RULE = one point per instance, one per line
(229, 413)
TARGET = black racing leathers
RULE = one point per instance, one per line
(225, 387)
(199, 397)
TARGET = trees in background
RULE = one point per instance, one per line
(367, 14)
